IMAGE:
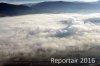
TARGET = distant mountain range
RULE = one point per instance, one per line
(61, 6)
(48, 7)
(10, 9)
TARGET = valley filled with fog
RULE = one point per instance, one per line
(40, 36)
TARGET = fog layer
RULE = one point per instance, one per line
(45, 35)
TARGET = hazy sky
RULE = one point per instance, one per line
(25, 1)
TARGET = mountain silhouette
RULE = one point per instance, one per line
(49, 7)
(11, 9)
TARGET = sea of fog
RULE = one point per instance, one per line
(40, 36)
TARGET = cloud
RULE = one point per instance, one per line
(37, 1)
(95, 20)
(74, 27)
(45, 35)
(50, 0)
